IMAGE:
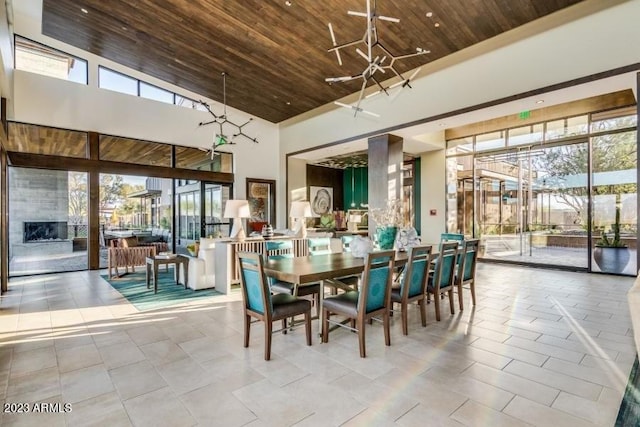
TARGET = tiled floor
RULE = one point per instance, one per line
(542, 347)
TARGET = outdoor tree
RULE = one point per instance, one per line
(111, 191)
(564, 169)
(78, 200)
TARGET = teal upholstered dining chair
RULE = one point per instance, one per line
(261, 305)
(442, 279)
(319, 245)
(346, 242)
(466, 272)
(322, 246)
(373, 299)
(445, 237)
(278, 249)
(413, 283)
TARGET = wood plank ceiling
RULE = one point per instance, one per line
(275, 55)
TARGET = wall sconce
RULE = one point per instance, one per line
(299, 211)
(237, 209)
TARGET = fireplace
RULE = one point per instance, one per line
(45, 231)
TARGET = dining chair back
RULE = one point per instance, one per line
(371, 300)
(346, 242)
(413, 283)
(458, 237)
(466, 272)
(319, 245)
(261, 305)
(279, 249)
(275, 249)
(442, 279)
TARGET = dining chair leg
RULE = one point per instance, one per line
(451, 299)
(423, 312)
(284, 325)
(360, 327)
(307, 326)
(472, 286)
(268, 328)
(405, 319)
(247, 330)
(460, 303)
(437, 304)
(387, 332)
(325, 326)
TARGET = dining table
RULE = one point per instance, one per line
(325, 269)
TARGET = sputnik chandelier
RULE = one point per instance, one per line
(375, 63)
(221, 120)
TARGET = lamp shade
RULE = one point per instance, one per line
(237, 209)
(300, 210)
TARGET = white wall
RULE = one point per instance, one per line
(433, 190)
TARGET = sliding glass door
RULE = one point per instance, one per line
(532, 205)
(199, 209)
(48, 221)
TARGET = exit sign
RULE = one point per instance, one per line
(524, 115)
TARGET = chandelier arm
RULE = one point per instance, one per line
(343, 45)
(409, 55)
(364, 86)
(207, 123)
(370, 19)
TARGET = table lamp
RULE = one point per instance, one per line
(237, 209)
(354, 220)
(299, 211)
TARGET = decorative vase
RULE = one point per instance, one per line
(386, 236)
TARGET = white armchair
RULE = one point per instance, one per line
(202, 268)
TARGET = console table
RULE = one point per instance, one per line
(227, 272)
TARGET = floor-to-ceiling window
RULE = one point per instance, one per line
(199, 208)
(561, 192)
(48, 221)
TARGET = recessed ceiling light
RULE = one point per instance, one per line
(288, 3)
(437, 24)
(442, 125)
(540, 101)
(83, 10)
(288, 103)
(429, 14)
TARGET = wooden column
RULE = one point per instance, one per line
(93, 248)
(385, 172)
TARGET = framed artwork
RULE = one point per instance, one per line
(261, 195)
(321, 200)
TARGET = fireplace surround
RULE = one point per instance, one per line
(45, 231)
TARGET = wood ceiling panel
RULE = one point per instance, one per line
(273, 54)
(27, 138)
(125, 150)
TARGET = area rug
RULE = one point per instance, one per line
(133, 287)
(629, 412)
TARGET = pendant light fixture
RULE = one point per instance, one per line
(379, 59)
(221, 120)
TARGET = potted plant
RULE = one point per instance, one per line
(610, 254)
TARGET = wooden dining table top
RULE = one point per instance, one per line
(314, 268)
